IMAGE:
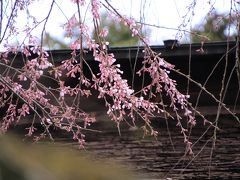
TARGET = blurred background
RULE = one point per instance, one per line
(159, 20)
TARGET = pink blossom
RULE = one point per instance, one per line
(72, 22)
(81, 2)
(96, 8)
(17, 87)
(26, 51)
(103, 32)
(23, 110)
(31, 130)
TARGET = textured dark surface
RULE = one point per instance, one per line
(159, 159)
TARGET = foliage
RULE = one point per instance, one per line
(218, 27)
(54, 43)
(118, 33)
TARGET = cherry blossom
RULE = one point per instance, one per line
(23, 92)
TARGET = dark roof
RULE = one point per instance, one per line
(196, 49)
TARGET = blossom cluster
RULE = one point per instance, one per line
(124, 102)
(95, 9)
(158, 69)
(23, 94)
(50, 104)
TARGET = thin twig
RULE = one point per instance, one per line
(45, 23)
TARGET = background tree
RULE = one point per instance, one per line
(54, 43)
(118, 33)
(217, 27)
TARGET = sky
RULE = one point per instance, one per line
(163, 13)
